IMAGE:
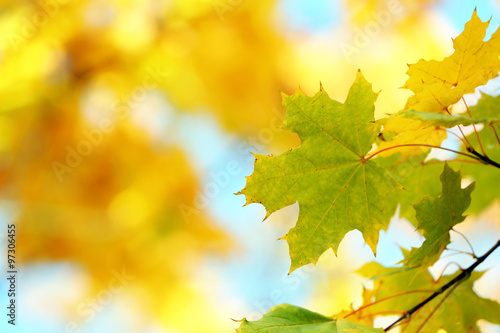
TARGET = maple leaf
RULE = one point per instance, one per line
(337, 186)
(437, 217)
(400, 291)
(409, 131)
(445, 120)
(438, 84)
(289, 318)
(417, 176)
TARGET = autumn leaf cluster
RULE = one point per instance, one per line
(352, 171)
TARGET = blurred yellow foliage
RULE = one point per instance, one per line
(92, 186)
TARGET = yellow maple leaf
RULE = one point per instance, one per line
(418, 134)
(439, 84)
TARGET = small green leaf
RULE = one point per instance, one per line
(436, 217)
(445, 120)
(286, 318)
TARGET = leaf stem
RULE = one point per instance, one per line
(458, 252)
(425, 145)
(495, 131)
(466, 143)
(475, 130)
(464, 275)
(464, 140)
(467, 240)
(387, 298)
(445, 267)
(381, 313)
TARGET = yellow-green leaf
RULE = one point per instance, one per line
(286, 318)
(401, 290)
(338, 187)
(418, 176)
(445, 120)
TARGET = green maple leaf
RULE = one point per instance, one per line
(289, 319)
(458, 313)
(418, 178)
(445, 120)
(436, 217)
(337, 187)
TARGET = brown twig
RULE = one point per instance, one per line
(464, 275)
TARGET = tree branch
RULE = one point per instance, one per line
(483, 158)
(464, 275)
